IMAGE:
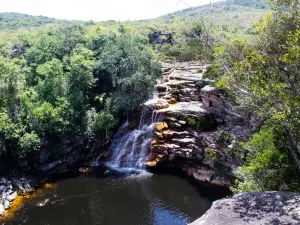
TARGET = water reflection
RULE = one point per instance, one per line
(142, 199)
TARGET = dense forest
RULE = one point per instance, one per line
(82, 79)
(60, 81)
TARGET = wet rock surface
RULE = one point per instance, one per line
(26, 174)
(200, 128)
(261, 208)
(11, 188)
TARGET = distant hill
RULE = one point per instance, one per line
(14, 21)
(226, 18)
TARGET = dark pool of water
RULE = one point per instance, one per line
(142, 199)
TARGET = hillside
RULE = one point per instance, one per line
(225, 19)
(14, 21)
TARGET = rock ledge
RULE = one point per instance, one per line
(258, 208)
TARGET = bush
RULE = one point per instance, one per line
(267, 167)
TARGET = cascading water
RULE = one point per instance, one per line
(129, 148)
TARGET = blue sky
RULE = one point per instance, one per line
(97, 10)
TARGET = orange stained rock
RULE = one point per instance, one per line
(15, 205)
(173, 104)
(151, 163)
(168, 133)
(189, 173)
(84, 170)
(153, 142)
(18, 202)
(50, 186)
(159, 135)
(161, 126)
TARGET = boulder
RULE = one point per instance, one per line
(258, 208)
(161, 88)
(168, 134)
(2, 210)
(12, 196)
(159, 38)
(161, 126)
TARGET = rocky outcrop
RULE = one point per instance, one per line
(261, 208)
(159, 38)
(201, 129)
(11, 188)
(47, 164)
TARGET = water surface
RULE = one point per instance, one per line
(144, 199)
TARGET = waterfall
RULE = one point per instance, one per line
(129, 148)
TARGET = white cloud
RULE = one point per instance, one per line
(97, 10)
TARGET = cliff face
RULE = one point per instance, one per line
(201, 130)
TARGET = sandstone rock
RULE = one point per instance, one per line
(168, 133)
(159, 135)
(181, 98)
(195, 98)
(12, 196)
(2, 210)
(182, 134)
(168, 97)
(151, 163)
(172, 147)
(208, 88)
(188, 77)
(161, 88)
(204, 175)
(161, 94)
(159, 148)
(170, 119)
(182, 122)
(172, 101)
(161, 126)
(174, 91)
(157, 104)
(6, 204)
(192, 85)
(186, 150)
(184, 141)
(260, 208)
(175, 125)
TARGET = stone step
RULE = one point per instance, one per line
(187, 78)
(172, 101)
(184, 141)
(191, 85)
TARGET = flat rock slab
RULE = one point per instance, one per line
(187, 77)
(196, 107)
(259, 208)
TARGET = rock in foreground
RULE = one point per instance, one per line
(260, 208)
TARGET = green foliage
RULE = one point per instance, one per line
(102, 122)
(255, 3)
(192, 122)
(65, 80)
(212, 72)
(210, 154)
(14, 21)
(267, 167)
(263, 76)
(29, 142)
